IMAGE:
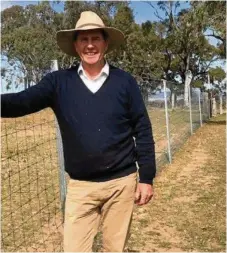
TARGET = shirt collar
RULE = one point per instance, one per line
(105, 70)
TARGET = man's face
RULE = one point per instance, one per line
(91, 46)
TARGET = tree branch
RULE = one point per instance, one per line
(156, 12)
(216, 37)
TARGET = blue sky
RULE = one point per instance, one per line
(144, 11)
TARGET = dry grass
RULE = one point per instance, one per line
(30, 186)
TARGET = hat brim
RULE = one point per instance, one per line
(65, 39)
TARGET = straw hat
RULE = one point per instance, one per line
(88, 21)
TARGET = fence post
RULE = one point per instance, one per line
(206, 109)
(214, 107)
(210, 104)
(62, 179)
(167, 122)
(221, 103)
(200, 111)
(190, 108)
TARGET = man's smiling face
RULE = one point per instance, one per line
(91, 46)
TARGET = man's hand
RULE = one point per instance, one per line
(144, 194)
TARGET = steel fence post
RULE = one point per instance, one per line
(190, 108)
(62, 178)
(221, 103)
(167, 123)
(200, 111)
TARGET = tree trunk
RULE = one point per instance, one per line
(188, 79)
(187, 82)
(214, 107)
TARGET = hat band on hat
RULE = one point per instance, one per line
(90, 24)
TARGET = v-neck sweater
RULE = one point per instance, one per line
(104, 133)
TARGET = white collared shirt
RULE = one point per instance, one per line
(94, 84)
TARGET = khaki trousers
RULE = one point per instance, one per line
(89, 202)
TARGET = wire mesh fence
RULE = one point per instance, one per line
(173, 121)
(32, 184)
(31, 216)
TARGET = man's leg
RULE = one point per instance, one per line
(117, 213)
(82, 216)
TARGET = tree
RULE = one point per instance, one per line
(29, 44)
(123, 20)
(214, 13)
(187, 51)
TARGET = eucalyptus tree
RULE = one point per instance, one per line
(28, 40)
(123, 19)
(193, 50)
(215, 21)
(188, 53)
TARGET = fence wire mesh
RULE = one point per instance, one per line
(182, 119)
(32, 217)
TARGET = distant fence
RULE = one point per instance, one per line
(33, 186)
(172, 121)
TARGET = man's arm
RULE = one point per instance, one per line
(30, 100)
(144, 145)
(143, 135)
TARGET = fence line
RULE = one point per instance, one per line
(33, 188)
(62, 177)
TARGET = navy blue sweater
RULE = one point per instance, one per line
(97, 128)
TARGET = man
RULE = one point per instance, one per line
(100, 111)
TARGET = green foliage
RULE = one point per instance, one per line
(124, 20)
(198, 83)
(217, 74)
(214, 13)
(28, 39)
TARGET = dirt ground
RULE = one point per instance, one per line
(188, 210)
